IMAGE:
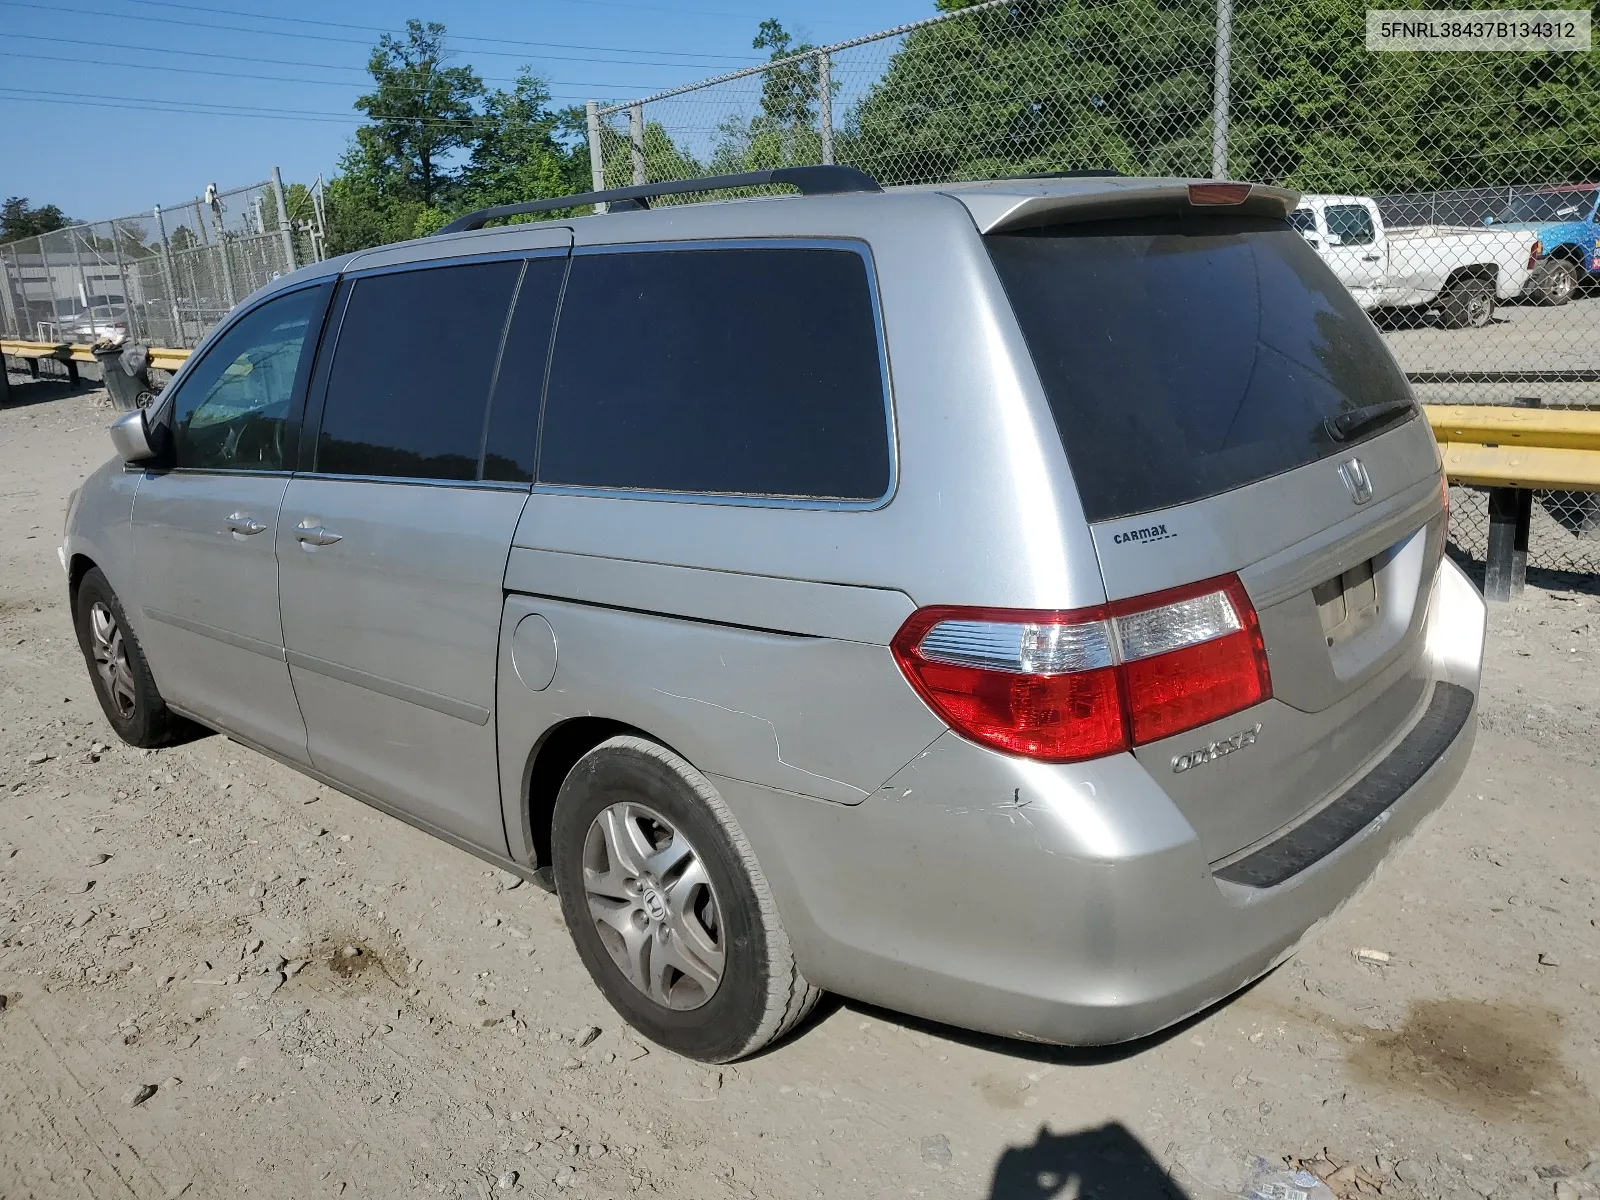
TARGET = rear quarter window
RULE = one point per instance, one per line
(719, 371)
(1182, 357)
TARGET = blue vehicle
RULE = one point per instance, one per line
(1566, 222)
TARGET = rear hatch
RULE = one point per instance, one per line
(1227, 408)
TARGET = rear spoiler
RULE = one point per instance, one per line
(1003, 209)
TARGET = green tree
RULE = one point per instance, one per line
(518, 155)
(785, 132)
(19, 220)
(1041, 86)
(663, 159)
(1046, 85)
(789, 91)
(370, 202)
(421, 110)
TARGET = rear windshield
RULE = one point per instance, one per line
(1186, 356)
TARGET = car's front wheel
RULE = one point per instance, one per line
(117, 667)
(668, 907)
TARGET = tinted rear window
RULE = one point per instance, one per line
(1187, 356)
(741, 371)
(410, 380)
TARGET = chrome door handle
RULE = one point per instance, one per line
(244, 524)
(314, 535)
(1370, 258)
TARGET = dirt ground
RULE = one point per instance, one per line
(183, 920)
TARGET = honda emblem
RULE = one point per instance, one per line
(1356, 480)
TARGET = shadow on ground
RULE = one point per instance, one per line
(1105, 1163)
(1040, 1052)
(25, 391)
(1581, 582)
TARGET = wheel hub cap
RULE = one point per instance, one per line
(111, 659)
(653, 906)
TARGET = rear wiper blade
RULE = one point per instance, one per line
(1348, 424)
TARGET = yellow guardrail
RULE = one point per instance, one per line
(1495, 446)
(160, 358)
(61, 351)
(168, 360)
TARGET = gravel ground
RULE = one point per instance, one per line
(221, 978)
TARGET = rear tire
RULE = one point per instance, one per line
(1467, 304)
(1555, 281)
(122, 681)
(668, 908)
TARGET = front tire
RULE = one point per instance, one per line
(667, 906)
(122, 681)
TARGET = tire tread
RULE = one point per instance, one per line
(790, 998)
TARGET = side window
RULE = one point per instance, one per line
(718, 371)
(514, 413)
(1304, 222)
(1349, 225)
(233, 411)
(409, 386)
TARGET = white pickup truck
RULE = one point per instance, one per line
(1458, 271)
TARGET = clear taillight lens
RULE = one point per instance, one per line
(1067, 686)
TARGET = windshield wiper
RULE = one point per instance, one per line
(1355, 421)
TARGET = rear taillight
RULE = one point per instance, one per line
(1066, 686)
(1535, 253)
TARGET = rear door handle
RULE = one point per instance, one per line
(1370, 258)
(311, 534)
(244, 524)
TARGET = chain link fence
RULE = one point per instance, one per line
(1563, 536)
(163, 278)
(1455, 194)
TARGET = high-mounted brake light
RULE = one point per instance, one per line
(1067, 686)
(1205, 194)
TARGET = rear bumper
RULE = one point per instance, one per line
(1062, 904)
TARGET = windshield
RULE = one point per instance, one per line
(1182, 357)
(1551, 206)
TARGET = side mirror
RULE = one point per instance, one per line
(1488, 220)
(130, 434)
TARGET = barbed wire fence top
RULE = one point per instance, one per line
(162, 278)
(1454, 193)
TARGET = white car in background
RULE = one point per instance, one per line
(1461, 272)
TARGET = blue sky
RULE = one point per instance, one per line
(80, 83)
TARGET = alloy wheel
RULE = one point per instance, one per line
(111, 659)
(653, 905)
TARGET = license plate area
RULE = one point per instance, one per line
(1347, 604)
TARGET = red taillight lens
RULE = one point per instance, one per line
(1057, 718)
(1040, 684)
(1067, 686)
(1535, 253)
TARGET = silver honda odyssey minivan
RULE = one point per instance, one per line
(1022, 604)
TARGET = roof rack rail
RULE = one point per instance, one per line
(811, 181)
